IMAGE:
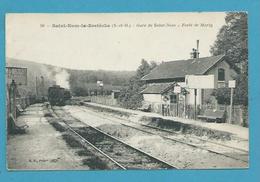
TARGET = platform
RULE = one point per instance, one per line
(41, 146)
(238, 131)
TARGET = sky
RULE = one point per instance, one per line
(109, 41)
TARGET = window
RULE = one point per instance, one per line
(173, 99)
(221, 74)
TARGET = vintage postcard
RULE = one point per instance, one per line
(124, 91)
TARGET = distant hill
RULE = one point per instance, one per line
(84, 80)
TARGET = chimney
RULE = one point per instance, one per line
(198, 53)
(195, 52)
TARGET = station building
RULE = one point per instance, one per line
(162, 80)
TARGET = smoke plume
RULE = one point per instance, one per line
(62, 78)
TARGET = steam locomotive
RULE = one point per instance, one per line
(58, 96)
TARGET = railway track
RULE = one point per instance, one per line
(231, 152)
(120, 153)
(177, 133)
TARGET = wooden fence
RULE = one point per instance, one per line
(106, 100)
(239, 114)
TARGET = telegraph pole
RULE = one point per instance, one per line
(12, 98)
(36, 86)
(195, 95)
(42, 86)
(231, 105)
(232, 85)
(177, 91)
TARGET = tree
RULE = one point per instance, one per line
(143, 69)
(131, 96)
(232, 41)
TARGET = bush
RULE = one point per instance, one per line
(222, 95)
(240, 93)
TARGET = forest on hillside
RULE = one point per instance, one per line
(84, 82)
(80, 82)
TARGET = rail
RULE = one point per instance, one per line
(177, 140)
(120, 141)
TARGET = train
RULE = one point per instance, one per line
(57, 96)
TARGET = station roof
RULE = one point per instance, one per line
(158, 88)
(181, 68)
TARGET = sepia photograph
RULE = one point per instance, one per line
(126, 91)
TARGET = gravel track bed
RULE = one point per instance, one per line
(90, 157)
(126, 156)
(233, 153)
(177, 154)
(185, 132)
